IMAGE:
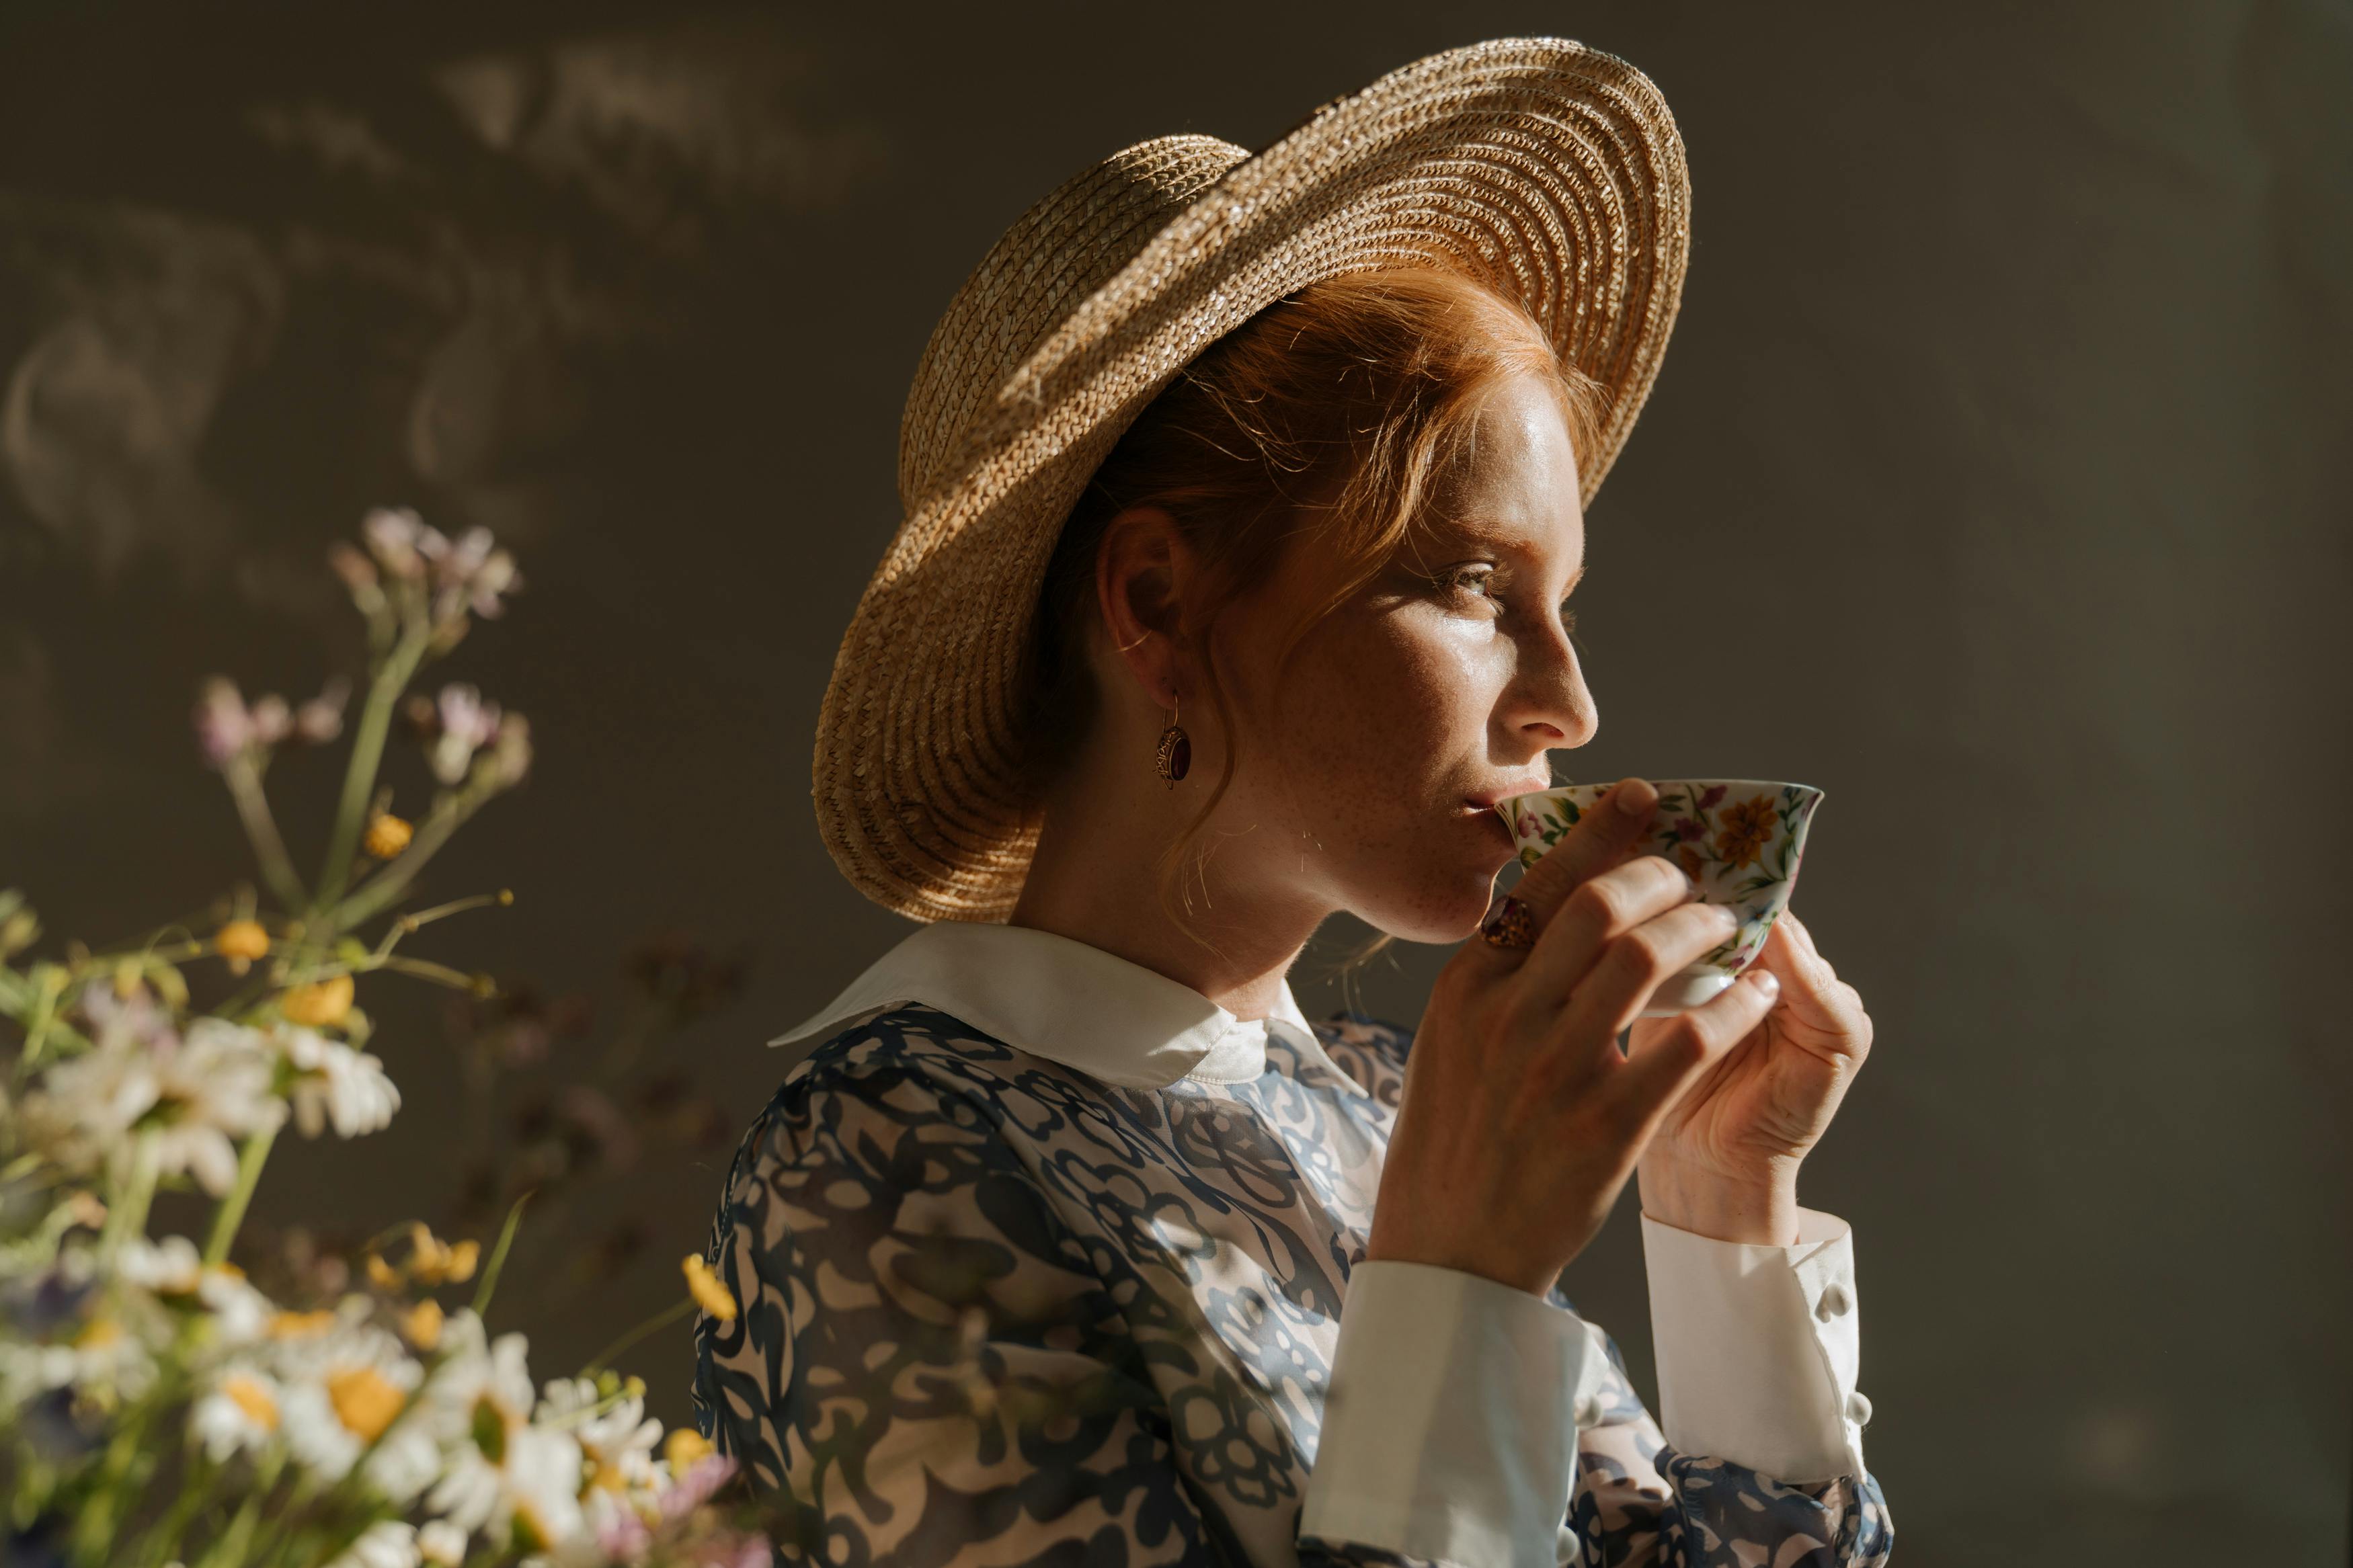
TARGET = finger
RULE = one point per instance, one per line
(1599, 840)
(1625, 962)
(1662, 1066)
(1811, 991)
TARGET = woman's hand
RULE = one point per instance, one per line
(1521, 1120)
(1725, 1161)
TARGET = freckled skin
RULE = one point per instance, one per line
(1414, 694)
(1410, 697)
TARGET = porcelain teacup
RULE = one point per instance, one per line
(1740, 839)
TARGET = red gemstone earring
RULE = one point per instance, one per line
(1176, 749)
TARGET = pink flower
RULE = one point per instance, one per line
(466, 724)
(393, 533)
(321, 719)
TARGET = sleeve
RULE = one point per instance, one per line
(927, 1365)
(1469, 1422)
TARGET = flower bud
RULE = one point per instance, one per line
(241, 942)
(272, 720)
(321, 719)
(387, 836)
(223, 726)
(392, 534)
(319, 1004)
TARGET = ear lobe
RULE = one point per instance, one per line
(1137, 593)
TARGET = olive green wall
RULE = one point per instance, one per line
(1997, 483)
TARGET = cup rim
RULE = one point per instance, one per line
(1762, 783)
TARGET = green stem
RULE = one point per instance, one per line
(498, 1257)
(268, 849)
(127, 1214)
(229, 1549)
(660, 1319)
(367, 755)
(162, 1543)
(231, 1213)
(388, 884)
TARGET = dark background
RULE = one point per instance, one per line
(1996, 482)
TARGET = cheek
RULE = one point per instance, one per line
(1389, 708)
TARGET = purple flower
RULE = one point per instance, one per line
(222, 727)
(1686, 829)
(468, 724)
(1712, 796)
(226, 726)
(468, 573)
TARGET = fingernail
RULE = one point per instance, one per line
(1635, 796)
(1766, 981)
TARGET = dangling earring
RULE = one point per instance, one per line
(1176, 750)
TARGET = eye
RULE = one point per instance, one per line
(1462, 582)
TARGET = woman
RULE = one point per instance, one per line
(1244, 498)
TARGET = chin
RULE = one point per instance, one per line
(1439, 910)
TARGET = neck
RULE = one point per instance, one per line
(1095, 879)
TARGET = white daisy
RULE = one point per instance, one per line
(241, 1410)
(168, 1266)
(330, 1081)
(346, 1385)
(195, 1094)
(617, 1444)
(241, 1314)
(387, 1543)
(503, 1469)
(441, 1543)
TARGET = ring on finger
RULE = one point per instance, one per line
(1510, 926)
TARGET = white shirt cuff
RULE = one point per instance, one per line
(1758, 1348)
(1450, 1427)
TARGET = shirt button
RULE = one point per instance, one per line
(1834, 1301)
(1858, 1408)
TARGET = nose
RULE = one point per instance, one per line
(1552, 705)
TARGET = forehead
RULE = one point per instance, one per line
(1513, 482)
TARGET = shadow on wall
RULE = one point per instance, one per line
(442, 272)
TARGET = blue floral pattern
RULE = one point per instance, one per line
(995, 1311)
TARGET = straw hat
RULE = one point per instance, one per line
(1550, 170)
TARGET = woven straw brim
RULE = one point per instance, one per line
(1551, 172)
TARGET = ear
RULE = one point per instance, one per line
(1142, 575)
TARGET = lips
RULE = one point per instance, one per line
(1487, 800)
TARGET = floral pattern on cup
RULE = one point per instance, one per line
(1740, 839)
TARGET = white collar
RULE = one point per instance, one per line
(1068, 1001)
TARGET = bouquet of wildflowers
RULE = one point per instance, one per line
(157, 1405)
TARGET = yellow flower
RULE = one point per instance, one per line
(422, 1325)
(319, 1004)
(387, 836)
(98, 1333)
(297, 1325)
(708, 1292)
(682, 1447)
(432, 1261)
(382, 1275)
(241, 942)
(1747, 828)
(365, 1400)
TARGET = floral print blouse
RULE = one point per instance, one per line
(1044, 1258)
